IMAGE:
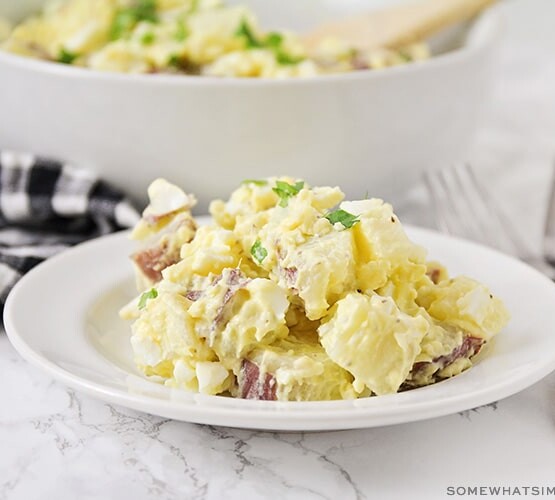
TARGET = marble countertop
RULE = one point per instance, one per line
(59, 444)
(55, 443)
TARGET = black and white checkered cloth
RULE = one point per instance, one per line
(47, 206)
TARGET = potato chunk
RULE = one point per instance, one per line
(373, 339)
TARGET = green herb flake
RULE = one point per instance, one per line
(175, 61)
(148, 38)
(256, 182)
(66, 57)
(145, 10)
(404, 55)
(151, 294)
(273, 40)
(181, 64)
(286, 59)
(285, 191)
(182, 32)
(245, 31)
(126, 19)
(194, 6)
(345, 218)
(123, 23)
(258, 252)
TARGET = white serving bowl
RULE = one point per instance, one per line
(369, 131)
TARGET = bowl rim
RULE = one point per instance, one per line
(482, 34)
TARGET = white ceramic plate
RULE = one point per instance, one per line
(62, 317)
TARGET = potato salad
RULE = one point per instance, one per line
(292, 293)
(191, 37)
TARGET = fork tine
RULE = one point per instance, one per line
(454, 211)
(463, 207)
(478, 210)
(471, 209)
(435, 190)
(501, 220)
(444, 211)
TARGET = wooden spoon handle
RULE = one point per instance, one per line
(397, 26)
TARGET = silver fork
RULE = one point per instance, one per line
(463, 207)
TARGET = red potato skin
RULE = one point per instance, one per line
(434, 275)
(252, 387)
(194, 295)
(235, 282)
(469, 347)
(153, 261)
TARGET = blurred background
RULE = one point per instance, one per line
(367, 131)
(514, 146)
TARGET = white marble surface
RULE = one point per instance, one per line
(55, 443)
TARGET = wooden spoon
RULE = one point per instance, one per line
(397, 26)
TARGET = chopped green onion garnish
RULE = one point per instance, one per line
(258, 252)
(348, 220)
(285, 191)
(151, 294)
(66, 57)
